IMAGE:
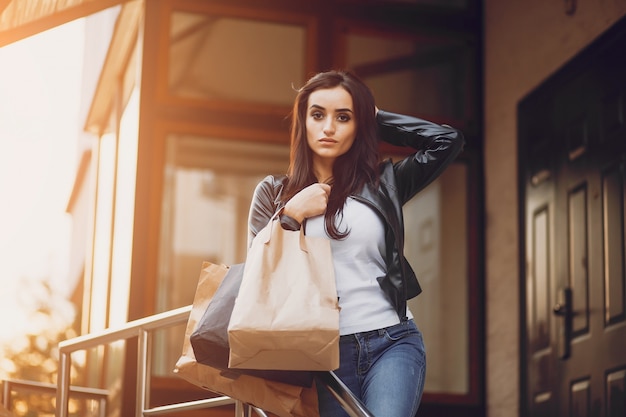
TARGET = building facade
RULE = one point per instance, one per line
(188, 113)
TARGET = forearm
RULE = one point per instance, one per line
(436, 146)
(403, 130)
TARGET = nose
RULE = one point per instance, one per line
(329, 127)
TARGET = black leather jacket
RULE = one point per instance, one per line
(436, 146)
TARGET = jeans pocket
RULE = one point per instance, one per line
(402, 330)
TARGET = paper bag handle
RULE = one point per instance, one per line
(274, 223)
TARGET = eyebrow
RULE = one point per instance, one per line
(317, 106)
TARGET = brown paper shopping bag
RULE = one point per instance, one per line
(283, 400)
(210, 337)
(286, 315)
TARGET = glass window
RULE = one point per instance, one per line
(423, 76)
(436, 246)
(224, 58)
(208, 188)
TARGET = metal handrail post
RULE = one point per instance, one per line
(142, 373)
(258, 411)
(239, 409)
(103, 407)
(349, 402)
(6, 395)
(148, 366)
(63, 383)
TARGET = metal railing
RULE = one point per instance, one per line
(142, 329)
(42, 388)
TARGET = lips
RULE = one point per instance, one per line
(327, 140)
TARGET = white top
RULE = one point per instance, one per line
(359, 260)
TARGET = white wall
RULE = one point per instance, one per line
(525, 42)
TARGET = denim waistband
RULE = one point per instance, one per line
(376, 332)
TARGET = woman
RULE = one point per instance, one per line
(337, 187)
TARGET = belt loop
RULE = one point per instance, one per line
(381, 332)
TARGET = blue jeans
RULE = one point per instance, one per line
(384, 368)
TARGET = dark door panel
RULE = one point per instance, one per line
(572, 152)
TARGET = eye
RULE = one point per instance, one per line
(317, 115)
(343, 117)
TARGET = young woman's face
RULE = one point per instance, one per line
(330, 124)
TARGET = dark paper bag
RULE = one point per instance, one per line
(286, 315)
(283, 400)
(210, 338)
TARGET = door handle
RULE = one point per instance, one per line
(565, 309)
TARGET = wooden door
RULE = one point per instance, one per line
(573, 165)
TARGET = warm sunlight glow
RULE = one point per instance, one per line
(20, 407)
(124, 211)
(102, 242)
(14, 320)
(40, 91)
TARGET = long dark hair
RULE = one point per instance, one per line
(352, 170)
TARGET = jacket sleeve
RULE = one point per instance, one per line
(263, 206)
(436, 147)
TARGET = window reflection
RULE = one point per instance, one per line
(436, 247)
(224, 58)
(207, 191)
(413, 76)
(208, 186)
